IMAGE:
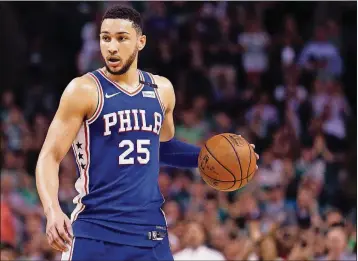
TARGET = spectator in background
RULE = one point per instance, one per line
(7, 252)
(254, 42)
(262, 117)
(193, 129)
(194, 247)
(39, 128)
(180, 189)
(310, 165)
(7, 229)
(221, 56)
(223, 76)
(164, 181)
(291, 92)
(219, 238)
(334, 33)
(15, 128)
(321, 56)
(7, 102)
(222, 123)
(307, 209)
(291, 42)
(336, 111)
(336, 244)
(274, 204)
(224, 90)
(196, 204)
(89, 58)
(285, 140)
(66, 193)
(173, 212)
(270, 172)
(200, 107)
(286, 238)
(334, 218)
(165, 58)
(26, 189)
(39, 99)
(303, 248)
(158, 24)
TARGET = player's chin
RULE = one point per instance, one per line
(114, 70)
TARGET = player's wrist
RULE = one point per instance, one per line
(51, 209)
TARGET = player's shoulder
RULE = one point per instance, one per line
(83, 82)
(166, 91)
(162, 82)
(81, 85)
(80, 93)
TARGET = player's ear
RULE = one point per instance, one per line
(142, 39)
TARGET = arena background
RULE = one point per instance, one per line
(282, 74)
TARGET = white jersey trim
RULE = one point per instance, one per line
(81, 149)
(135, 92)
(67, 256)
(100, 99)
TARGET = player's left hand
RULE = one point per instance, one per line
(257, 155)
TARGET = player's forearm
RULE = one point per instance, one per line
(178, 154)
(47, 182)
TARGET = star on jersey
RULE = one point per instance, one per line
(80, 155)
(79, 145)
(83, 166)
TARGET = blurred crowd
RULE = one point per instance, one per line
(280, 74)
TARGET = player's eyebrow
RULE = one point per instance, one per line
(121, 32)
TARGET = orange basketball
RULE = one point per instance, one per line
(227, 162)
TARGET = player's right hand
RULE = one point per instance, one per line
(59, 230)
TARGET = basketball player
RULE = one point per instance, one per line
(115, 119)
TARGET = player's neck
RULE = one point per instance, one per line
(130, 78)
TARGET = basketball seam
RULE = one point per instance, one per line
(203, 172)
(227, 180)
(237, 156)
(238, 180)
(220, 163)
(217, 179)
(250, 175)
(222, 181)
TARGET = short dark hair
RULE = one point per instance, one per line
(126, 13)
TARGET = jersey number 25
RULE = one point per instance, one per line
(125, 159)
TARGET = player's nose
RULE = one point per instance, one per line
(113, 49)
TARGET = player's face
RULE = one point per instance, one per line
(120, 44)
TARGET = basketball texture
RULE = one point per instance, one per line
(227, 162)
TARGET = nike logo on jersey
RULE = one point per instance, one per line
(111, 95)
(149, 94)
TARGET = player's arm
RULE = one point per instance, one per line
(172, 151)
(74, 106)
(167, 96)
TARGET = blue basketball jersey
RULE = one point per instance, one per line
(117, 155)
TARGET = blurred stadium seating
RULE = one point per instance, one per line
(282, 74)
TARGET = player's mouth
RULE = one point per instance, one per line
(114, 61)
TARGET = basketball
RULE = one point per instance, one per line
(227, 162)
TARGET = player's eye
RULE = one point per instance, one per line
(105, 38)
(122, 38)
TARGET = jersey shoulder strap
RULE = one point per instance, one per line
(150, 85)
(148, 80)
